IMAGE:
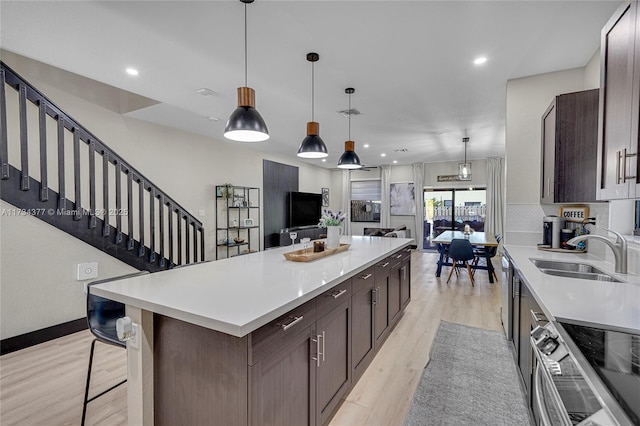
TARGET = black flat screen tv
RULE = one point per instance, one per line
(305, 209)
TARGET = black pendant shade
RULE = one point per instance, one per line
(245, 123)
(312, 145)
(349, 159)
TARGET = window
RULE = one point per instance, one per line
(365, 200)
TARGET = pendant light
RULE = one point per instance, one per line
(464, 169)
(245, 123)
(349, 159)
(312, 146)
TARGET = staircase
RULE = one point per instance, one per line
(88, 190)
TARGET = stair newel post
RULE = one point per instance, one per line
(24, 149)
(4, 141)
(201, 231)
(187, 244)
(119, 210)
(130, 239)
(170, 218)
(141, 216)
(161, 226)
(62, 201)
(106, 215)
(179, 222)
(152, 224)
(92, 184)
(42, 119)
(77, 206)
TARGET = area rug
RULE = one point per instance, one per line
(470, 379)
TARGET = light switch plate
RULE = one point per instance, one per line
(87, 271)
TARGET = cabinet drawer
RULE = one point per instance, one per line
(332, 298)
(281, 331)
(363, 280)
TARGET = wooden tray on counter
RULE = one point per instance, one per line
(308, 255)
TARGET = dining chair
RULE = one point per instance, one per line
(461, 252)
(102, 315)
(481, 252)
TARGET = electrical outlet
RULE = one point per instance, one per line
(134, 341)
(87, 271)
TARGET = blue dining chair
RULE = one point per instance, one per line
(461, 252)
(102, 315)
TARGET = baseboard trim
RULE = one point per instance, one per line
(26, 340)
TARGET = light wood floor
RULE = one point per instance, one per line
(44, 384)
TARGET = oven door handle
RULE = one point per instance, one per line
(542, 409)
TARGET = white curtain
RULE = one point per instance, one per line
(346, 200)
(385, 198)
(418, 184)
(494, 222)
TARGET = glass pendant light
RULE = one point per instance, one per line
(464, 169)
(245, 123)
(349, 159)
(312, 146)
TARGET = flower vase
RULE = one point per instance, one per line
(333, 236)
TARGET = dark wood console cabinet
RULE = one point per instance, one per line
(296, 370)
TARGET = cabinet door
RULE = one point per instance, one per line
(515, 300)
(334, 367)
(283, 384)
(548, 157)
(635, 119)
(363, 341)
(405, 282)
(381, 301)
(395, 302)
(615, 112)
(525, 355)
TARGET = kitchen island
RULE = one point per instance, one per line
(257, 339)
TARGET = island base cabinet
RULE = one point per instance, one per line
(405, 282)
(283, 385)
(362, 336)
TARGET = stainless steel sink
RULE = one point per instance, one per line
(573, 270)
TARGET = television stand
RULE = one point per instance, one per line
(312, 232)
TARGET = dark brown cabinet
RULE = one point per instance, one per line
(569, 147)
(363, 339)
(619, 109)
(381, 301)
(405, 282)
(395, 298)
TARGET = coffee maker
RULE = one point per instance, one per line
(551, 226)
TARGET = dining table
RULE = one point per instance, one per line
(476, 238)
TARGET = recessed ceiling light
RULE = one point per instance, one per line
(213, 118)
(480, 60)
(324, 160)
(383, 155)
(366, 145)
(395, 161)
(132, 71)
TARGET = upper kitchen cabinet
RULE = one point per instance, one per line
(619, 106)
(569, 145)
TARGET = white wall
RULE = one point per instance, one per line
(184, 165)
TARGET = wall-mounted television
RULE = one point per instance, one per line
(305, 209)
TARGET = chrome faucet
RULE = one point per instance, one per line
(619, 247)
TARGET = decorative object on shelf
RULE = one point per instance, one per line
(349, 159)
(402, 199)
(248, 222)
(245, 123)
(325, 197)
(303, 256)
(238, 240)
(464, 169)
(312, 146)
(226, 191)
(234, 223)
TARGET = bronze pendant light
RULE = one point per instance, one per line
(349, 159)
(312, 146)
(245, 123)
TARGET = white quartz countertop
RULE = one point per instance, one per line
(615, 305)
(238, 295)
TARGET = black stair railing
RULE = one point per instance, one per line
(142, 238)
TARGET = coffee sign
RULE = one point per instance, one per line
(574, 213)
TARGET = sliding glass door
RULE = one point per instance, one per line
(451, 209)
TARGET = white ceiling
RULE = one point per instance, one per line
(411, 63)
